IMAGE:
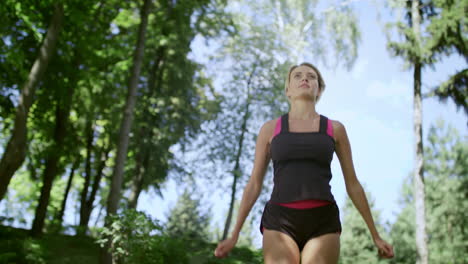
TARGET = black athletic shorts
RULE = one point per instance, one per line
(301, 224)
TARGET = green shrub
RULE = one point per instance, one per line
(136, 238)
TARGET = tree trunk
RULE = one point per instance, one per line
(236, 172)
(62, 114)
(117, 177)
(137, 185)
(88, 207)
(142, 158)
(84, 192)
(419, 194)
(60, 214)
(15, 151)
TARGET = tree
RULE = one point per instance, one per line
(186, 219)
(117, 176)
(175, 99)
(415, 52)
(76, 49)
(356, 247)
(403, 230)
(446, 182)
(447, 30)
(15, 151)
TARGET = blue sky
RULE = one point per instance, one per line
(374, 102)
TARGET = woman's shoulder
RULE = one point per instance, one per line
(338, 129)
(268, 128)
(337, 125)
(269, 125)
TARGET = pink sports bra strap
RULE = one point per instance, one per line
(277, 127)
(330, 128)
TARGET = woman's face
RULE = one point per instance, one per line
(303, 83)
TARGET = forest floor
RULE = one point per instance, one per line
(16, 246)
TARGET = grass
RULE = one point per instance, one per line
(16, 246)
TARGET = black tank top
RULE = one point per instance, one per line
(301, 163)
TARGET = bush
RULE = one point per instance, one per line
(136, 238)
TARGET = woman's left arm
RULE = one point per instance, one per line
(354, 188)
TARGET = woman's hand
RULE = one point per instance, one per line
(224, 247)
(385, 250)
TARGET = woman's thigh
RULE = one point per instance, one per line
(279, 248)
(324, 249)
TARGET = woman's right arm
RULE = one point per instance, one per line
(253, 187)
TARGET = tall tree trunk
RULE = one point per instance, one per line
(142, 159)
(117, 177)
(419, 194)
(60, 214)
(15, 151)
(62, 114)
(236, 172)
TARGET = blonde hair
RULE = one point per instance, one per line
(321, 82)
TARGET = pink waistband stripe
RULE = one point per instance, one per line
(305, 204)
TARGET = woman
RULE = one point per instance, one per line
(300, 223)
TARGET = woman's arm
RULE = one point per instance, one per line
(253, 187)
(354, 188)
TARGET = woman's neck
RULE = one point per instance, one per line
(303, 110)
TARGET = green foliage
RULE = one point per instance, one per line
(446, 163)
(186, 220)
(446, 167)
(448, 31)
(136, 238)
(16, 247)
(456, 87)
(443, 34)
(203, 254)
(403, 231)
(22, 197)
(356, 242)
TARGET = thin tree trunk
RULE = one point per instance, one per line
(62, 114)
(236, 172)
(136, 191)
(419, 194)
(59, 216)
(137, 185)
(84, 192)
(15, 151)
(117, 177)
(98, 217)
(88, 207)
